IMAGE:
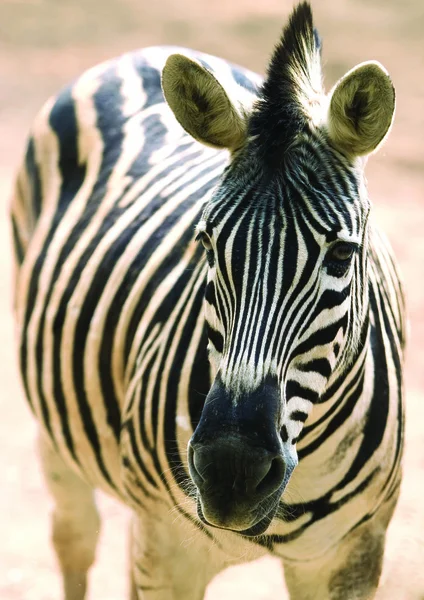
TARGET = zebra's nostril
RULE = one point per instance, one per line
(273, 478)
(247, 473)
(194, 470)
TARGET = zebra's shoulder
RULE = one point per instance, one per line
(83, 128)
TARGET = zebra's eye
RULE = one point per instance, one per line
(204, 239)
(341, 252)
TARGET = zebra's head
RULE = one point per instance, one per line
(286, 239)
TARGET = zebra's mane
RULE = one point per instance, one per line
(291, 96)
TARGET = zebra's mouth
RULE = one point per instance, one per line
(256, 529)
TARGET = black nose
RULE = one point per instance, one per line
(236, 458)
(233, 469)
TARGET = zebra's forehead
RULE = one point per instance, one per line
(313, 183)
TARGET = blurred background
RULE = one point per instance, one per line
(46, 43)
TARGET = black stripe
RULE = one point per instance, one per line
(317, 365)
(294, 389)
(216, 339)
(17, 244)
(34, 180)
(298, 415)
(136, 451)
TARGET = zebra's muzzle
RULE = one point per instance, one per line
(236, 459)
(257, 527)
(239, 485)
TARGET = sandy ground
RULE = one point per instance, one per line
(44, 44)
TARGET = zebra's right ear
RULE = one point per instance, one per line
(201, 105)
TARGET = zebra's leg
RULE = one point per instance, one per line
(132, 586)
(75, 521)
(170, 559)
(350, 571)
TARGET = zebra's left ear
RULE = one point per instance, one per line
(201, 105)
(361, 109)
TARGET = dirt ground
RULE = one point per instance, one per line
(44, 44)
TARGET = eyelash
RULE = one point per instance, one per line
(204, 239)
(338, 265)
(206, 243)
(341, 247)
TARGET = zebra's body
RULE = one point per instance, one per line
(107, 236)
(112, 340)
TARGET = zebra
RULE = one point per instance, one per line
(210, 327)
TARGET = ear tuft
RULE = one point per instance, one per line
(361, 109)
(201, 105)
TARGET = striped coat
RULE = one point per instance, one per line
(113, 328)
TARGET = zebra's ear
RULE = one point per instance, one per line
(361, 109)
(201, 105)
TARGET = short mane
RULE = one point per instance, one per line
(290, 97)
